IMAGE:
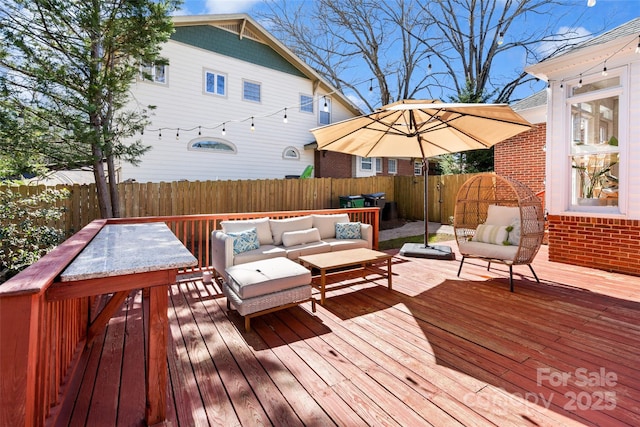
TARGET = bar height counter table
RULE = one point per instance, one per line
(121, 258)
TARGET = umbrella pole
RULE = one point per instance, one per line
(426, 251)
(425, 170)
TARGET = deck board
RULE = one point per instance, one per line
(436, 350)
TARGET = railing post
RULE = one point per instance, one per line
(18, 355)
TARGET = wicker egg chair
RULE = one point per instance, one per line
(515, 209)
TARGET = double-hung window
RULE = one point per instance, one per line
(366, 163)
(324, 109)
(594, 154)
(378, 164)
(215, 83)
(392, 166)
(156, 73)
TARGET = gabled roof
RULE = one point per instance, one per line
(245, 27)
(611, 46)
(538, 99)
(629, 28)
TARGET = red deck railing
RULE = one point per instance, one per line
(41, 340)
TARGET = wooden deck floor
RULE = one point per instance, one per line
(437, 350)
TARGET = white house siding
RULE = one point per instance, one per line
(182, 103)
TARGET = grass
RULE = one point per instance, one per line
(399, 241)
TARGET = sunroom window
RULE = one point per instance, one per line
(595, 154)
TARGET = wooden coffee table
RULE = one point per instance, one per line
(328, 261)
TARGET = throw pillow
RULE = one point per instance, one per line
(494, 234)
(348, 230)
(514, 235)
(244, 241)
(300, 237)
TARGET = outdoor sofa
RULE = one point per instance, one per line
(255, 260)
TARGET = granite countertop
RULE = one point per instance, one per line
(120, 249)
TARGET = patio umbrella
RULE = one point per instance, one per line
(422, 129)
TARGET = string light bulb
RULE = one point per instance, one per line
(199, 130)
(429, 66)
(591, 3)
(580, 81)
(284, 119)
(371, 81)
(253, 127)
(638, 47)
(178, 134)
(159, 133)
(604, 70)
(326, 106)
(224, 130)
(501, 38)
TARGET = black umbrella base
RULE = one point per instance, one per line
(419, 250)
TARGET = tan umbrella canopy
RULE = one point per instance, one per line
(421, 129)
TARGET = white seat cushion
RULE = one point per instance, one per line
(488, 250)
(258, 278)
(342, 244)
(295, 252)
(263, 252)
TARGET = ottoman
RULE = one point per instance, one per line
(261, 287)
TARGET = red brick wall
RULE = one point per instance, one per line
(605, 243)
(522, 157)
(329, 164)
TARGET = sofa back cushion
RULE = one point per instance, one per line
(279, 226)
(260, 224)
(300, 237)
(326, 224)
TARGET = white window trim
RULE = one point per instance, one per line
(417, 170)
(622, 91)
(216, 73)
(364, 160)
(379, 165)
(153, 75)
(395, 168)
(294, 149)
(255, 83)
(329, 101)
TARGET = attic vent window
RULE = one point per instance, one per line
(212, 145)
(291, 153)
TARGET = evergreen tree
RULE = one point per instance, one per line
(66, 70)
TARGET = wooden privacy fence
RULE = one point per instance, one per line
(212, 197)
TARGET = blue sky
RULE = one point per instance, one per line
(605, 14)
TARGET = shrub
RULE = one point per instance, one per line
(26, 232)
